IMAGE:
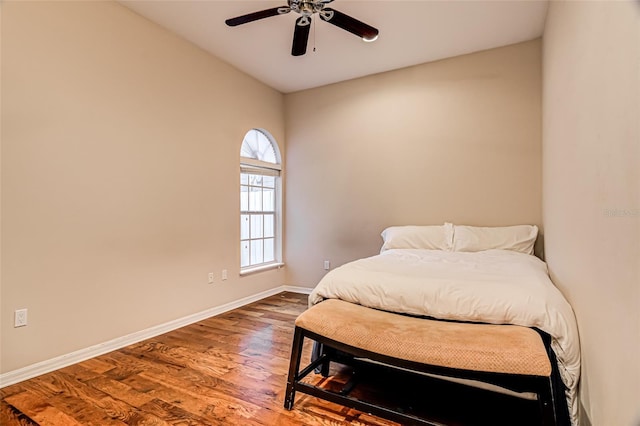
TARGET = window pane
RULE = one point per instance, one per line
(244, 198)
(269, 225)
(244, 254)
(266, 151)
(269, 250)
(244, 179)
(269, 181)
(268, 200)
(257, 145)
(255, 199)
(256, 252)
(255, 180)
(256, 226)
(244, 227)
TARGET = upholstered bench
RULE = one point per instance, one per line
(511, 356)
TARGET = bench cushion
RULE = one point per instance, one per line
(509, 349)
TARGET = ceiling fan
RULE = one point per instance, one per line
(306, 8)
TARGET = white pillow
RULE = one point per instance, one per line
(519, 238)
(418, 237)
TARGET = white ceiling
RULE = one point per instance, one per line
(411, 32)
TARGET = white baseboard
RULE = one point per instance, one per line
(47, 366)
(296, 289)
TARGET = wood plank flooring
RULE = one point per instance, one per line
(228, 370)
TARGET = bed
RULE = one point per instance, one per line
(464, 273)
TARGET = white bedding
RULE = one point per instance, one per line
(493, 286)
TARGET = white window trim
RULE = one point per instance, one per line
(260, 268)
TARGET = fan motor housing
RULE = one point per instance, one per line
(306, 7)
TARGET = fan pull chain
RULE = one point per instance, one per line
(314, 35)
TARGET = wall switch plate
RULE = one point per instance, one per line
(20, 319)
(327, 265)
(210, 277)
(224, 274)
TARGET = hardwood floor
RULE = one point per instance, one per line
(226, 370)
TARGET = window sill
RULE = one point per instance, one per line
(253, 270)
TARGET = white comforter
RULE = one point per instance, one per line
(493, 286)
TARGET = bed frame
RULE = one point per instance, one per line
(513, 357)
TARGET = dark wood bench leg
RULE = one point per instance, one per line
(547, 403)
(324, 369)
(294, 367)
(556, 388)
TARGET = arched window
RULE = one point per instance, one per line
(260, 202)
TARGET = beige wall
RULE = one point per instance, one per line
(591, 186)
(120, 162)
(455, 140)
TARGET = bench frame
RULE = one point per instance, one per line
(551, 400)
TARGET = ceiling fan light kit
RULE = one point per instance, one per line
(307, 8)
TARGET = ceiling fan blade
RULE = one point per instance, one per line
(301, 36)
(250, 17)
(346, 22)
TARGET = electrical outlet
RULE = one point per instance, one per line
(20, 319)
(327, 265)
(224, 274)
(210, 277)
